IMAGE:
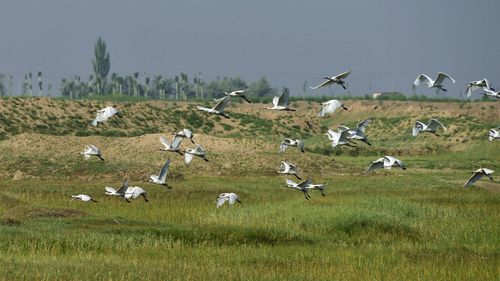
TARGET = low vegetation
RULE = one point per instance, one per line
(418, 224)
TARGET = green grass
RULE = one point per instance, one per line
(387, 226)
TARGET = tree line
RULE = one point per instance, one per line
(100, 83)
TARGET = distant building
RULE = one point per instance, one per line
(388, 95)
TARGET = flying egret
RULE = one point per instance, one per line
(105, 114)
(432, 127)
(288, 169)
(289, 142)
(302, 186)
(338, 79)
(359, 132)
(489, 92)
(386, 162)
(330, 107)
(478, 174)
(238, 93)
(218, 108)
(174, 146)
(82, 197)
(185, 133)
(91, 150)
(161, 178)
(438, 83)
(475, 85)
(230, 197)
(191, 152)
(339, 138)
(133, 192)
(494, 134)
(281, 102)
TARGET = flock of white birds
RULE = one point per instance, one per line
(343, 136)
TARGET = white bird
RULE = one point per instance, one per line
(218, 108)
(174, 146)
(83, 197)
(191, 152)
(330, 107)
(494, 134)
(386, 162)
(478, 174)
(133, 192)
(338, 79)
(238, 93)
(105, 114)
(288, 169)
(438, 83)
(302, 186)
(432, 127)
(161, 178)
(339, 138)
(281, 102)
(91, 150)
(489, 92)
(230, 197)
(117, 192)
(289, 142)
(185, 133)
(359, 133)
(475, 85)
(320, 187)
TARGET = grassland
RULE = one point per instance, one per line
(418, 224)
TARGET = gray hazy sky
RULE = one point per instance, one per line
(386, 42)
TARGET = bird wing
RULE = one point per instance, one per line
(200, 150)
(334, 137)
(110, 189)
(283, 167)
(187, 133)
(164, 141)
(283, 99)
(343, 75)
(232, 198)
(475, 177)
(305, 183)
(418, 127)
(377, 164)
(422, 79)
(290, 183)
(362, 125)
(220, 200)
(94, 150)
(393, 160)
(323, 84)
(222, 104)
(489, 90)
(176, 142)
(283, 145)
(441, 77)
(332, 106)
(435, 124)
(162, 176)
(188, 157)
(276, 99)
(123, 189)
(488, 171)
(344, 135)
(300, 145)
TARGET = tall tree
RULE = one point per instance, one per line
(101, 64)
(2, 86)
(40, 83)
